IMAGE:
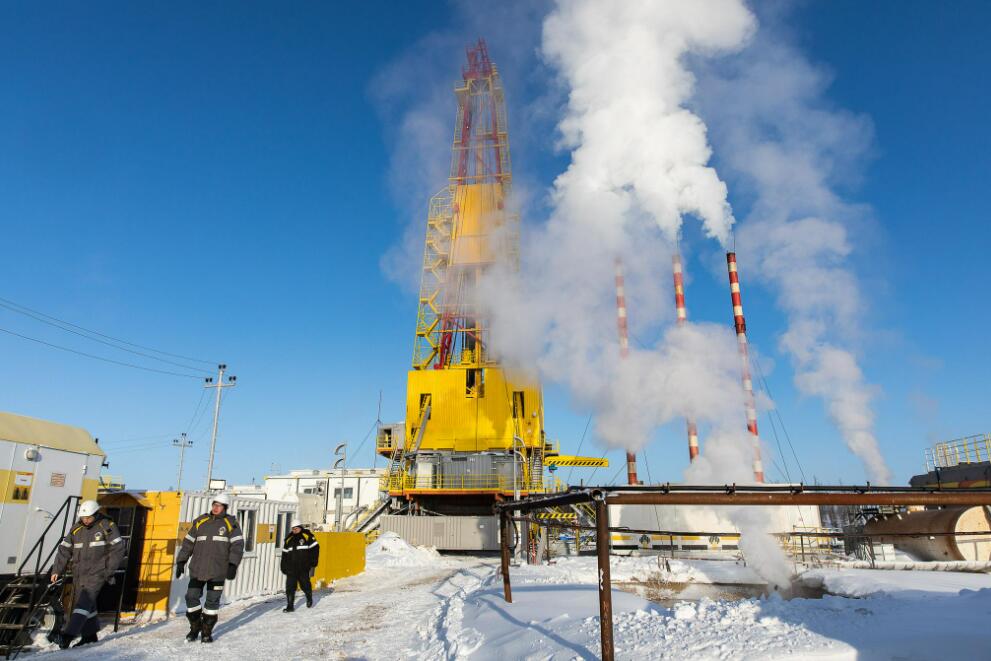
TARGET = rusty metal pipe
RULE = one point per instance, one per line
(605, 582)
(507, 591)
(784, 498)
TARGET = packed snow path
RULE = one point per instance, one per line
(384, 613)
(413, 604)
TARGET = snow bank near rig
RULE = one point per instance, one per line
(391, 550)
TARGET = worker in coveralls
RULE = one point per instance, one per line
(94, 550)
(216, 545)
(300, 554)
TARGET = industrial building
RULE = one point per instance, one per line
(46, 468)
(318, 491)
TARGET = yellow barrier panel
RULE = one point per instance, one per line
(341, 554)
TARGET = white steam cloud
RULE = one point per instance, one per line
(635, 146)
(785, 146)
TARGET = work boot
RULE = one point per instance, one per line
(208, 623)
(62, 640)
(86, 639)
(195, 624)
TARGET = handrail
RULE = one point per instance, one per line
(965, 450)
(64, 513)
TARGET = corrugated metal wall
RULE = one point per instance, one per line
(259, 571)
(466, 533)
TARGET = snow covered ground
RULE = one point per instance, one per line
(415, 604)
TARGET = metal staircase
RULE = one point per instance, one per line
(26, 597)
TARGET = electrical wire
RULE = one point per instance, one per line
(362, 444)
(781, 421)
(198, 412)
(95, 357)
(23, 309)
(579, 450)
(95, 339)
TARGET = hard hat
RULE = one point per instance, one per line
(89, 508)
(295, 523)
(223, 499)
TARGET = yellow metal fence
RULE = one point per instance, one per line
(966, 450)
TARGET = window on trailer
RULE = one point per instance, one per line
(248, 520)
(281, 529)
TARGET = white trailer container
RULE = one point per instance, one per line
(264, 524)
(41, 465)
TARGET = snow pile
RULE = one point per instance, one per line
(584, 569)
(870, 582)
(552, 617)
(391, 550)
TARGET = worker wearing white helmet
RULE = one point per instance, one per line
(94, 550)
(213, 548)
(300, 553)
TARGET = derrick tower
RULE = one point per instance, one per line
(474, 430)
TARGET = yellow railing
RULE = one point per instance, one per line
(966, 450)
(409, 482)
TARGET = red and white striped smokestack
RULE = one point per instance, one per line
(624, 351)
(748, 387)
(679, 303)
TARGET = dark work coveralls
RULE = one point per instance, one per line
(94, 552)
(213, 549)
(300, 554)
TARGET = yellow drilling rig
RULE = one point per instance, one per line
(474, 429)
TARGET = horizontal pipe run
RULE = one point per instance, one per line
(778, 499)
(697, 533)
(787, 494)
(775, 488)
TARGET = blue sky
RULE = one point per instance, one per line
(222, 183)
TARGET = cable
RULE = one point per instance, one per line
(784, 429)
(650, 480)
(196, 411)
(579, 450)
(92, 332)
(94, 339)
(362, 444)
(95, 357)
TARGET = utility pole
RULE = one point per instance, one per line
(341, 451)
(182, 445)
(219, 385)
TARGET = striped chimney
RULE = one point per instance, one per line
(624, 351)
(679, 303)
(741, 337)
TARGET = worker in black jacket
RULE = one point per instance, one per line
(300, 554)
(213, 548)
(94, 550)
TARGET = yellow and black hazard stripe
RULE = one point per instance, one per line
(557, 516)
(581, 462)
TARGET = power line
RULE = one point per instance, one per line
(23, 309)
(59, 325)
(95, 357)
(196, 410)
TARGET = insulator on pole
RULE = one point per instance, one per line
(624, 351)
(740, 325)
(682, 312)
